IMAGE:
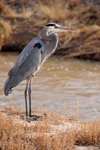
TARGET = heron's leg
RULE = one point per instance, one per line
(26, 98)
(30, 112)
(29, 90)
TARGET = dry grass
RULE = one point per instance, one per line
(84, 43)
(5, 31)
(54, 13)
(72, 13)
(52, 131)
(24, 14)
(89, 133)
(4, 9)
(7, 12)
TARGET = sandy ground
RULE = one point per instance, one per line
(54, 124)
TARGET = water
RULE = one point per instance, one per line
(60, 84)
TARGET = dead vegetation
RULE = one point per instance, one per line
(5, 31)
(52, 131)
(27, 16)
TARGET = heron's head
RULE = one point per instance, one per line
(53, 27)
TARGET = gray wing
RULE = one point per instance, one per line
(28, 66)
(24, 54)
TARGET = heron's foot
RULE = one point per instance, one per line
(34, 117)
(37, 116)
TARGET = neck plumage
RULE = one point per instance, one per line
(50, 42)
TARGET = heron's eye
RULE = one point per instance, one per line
(55, 26)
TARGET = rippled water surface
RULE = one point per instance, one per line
(60, 84)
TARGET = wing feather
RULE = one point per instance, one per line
(24, 70)
(24, 54)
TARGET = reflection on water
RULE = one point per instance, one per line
(60, 84)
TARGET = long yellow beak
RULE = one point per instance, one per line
(61, 28)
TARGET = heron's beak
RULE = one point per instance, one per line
(63, 29)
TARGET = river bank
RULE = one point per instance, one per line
(18, 20)
(50, 131)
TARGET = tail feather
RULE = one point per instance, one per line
(11, 82)
(7, 88)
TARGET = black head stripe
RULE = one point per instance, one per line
(51, 24)
(48, 25)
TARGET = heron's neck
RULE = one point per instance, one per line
(51, 40)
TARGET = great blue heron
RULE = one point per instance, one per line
(32, 57)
